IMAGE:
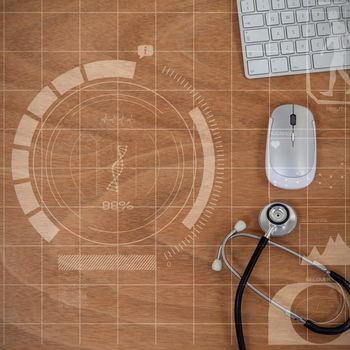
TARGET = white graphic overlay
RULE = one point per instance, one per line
(117, 168)
(281, 330)
(145, 50)
(113, 262)
(107, 187)
(336, 253)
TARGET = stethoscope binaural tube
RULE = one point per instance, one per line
(263, 241)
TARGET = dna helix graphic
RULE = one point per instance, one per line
(117, 168)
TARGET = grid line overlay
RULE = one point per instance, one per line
(3, 183)
(155, 174)
(228, 210)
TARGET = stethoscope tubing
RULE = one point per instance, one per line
(233, 234)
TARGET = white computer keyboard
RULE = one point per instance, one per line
(287, 37)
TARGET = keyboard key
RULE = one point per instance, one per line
(293, 32)
(317, 14)
(256, 35)
(278, 4)
(258, 67)
(293, 4)
(323, 28)
(247, 6)
(303, 16)
(346, 11)
(346, 42)
(333, 43)
(254, 51)
(336, 59)
(250, 21)
(294, 36)
(277, 33)
(302, 46)
(309, 3)
(300, 62)
(308, 30)
(317, 44)
(333, 13)
(287, 47)
(338, 27)
(287, 17)
(272, 19)
(279, 65)
(271, 49)
(263, 5)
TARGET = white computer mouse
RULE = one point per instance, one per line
(291, 147)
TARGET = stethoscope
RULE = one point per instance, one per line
(276, 220)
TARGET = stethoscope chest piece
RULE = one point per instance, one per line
(280, 216)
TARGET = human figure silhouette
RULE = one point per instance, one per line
(333, 77)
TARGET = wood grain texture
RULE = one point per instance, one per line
(181, 304)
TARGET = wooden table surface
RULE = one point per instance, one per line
(140, 159)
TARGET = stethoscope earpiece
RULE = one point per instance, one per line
(216, 265)
(240, 226)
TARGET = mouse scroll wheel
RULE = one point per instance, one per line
(293, 119)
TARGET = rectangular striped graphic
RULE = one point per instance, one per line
(113, 262)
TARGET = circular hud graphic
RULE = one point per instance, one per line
(104, 158)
